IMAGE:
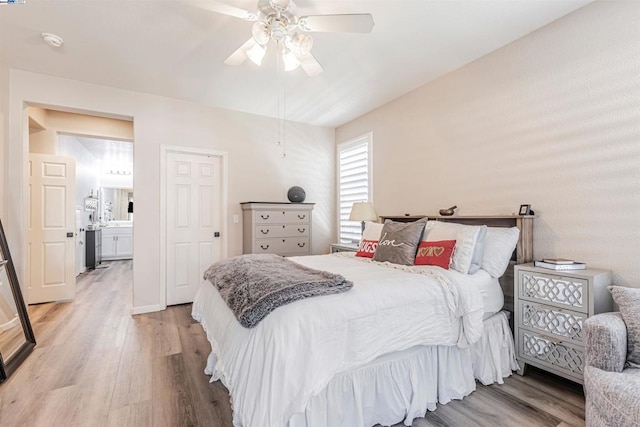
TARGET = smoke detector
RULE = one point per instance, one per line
(52, 40)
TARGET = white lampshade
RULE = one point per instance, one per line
(363, 211)
(290, 61)
(256, 53)
(260, 33)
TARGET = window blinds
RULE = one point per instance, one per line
(353, 184)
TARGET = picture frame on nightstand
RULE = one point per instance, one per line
(524, 210)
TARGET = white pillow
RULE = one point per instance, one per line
(499, 244)
(476, 261)
(466, 237)
(372, 230)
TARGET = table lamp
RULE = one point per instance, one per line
(363, 211)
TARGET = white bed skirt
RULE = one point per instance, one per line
(402, 386)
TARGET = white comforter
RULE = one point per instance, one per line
(273, 370)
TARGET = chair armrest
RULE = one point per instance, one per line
(612, 398)
(606, 341)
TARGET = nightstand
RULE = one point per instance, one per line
(343, 247)
(550, 309)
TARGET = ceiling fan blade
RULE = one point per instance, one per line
(240, 55)
(353, 23)
(223, 8)
(310, 65)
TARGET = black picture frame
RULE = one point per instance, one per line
(525, 210)
(9, 366)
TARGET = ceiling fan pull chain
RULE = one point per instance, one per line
(282, 115)
(279, 141)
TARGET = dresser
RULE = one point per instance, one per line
(93, 248)
(277, 228)
(550, 309)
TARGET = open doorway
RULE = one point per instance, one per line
(104, 199)
(80, 199)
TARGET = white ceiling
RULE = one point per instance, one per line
(169, 48)
(108, 151)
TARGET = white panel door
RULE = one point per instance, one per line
(194, 215)
(52, 245)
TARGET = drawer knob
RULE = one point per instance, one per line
(302, 216)
(264, 216)
(301, 230)
(264, 232)
(301, 245)
(264, 247)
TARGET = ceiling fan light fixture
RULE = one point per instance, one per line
(278, 30)
(278, 20)
(256, 54)
(280, 4)
(289, 60)
(300, 43)
(260, 32)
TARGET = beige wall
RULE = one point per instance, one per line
(552, 119)
(256, 170)
(43, 141)
(45, 125)
(93, 126)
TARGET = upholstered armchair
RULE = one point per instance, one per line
(611, 384)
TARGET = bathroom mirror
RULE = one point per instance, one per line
(116, 204)
(16, 336)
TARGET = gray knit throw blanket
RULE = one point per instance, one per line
(255, 285)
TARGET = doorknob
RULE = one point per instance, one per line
(70, 234)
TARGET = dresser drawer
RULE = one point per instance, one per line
(557, 322)
(560, 356)
(282, 216)
(284, 246)
(556, 290)
(282, 230)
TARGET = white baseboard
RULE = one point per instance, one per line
(146, 309)
(10, 324)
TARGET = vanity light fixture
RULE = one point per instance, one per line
(118, 172)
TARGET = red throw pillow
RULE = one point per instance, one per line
(367, 248)
(435, 253)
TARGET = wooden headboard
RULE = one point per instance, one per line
(523, 252)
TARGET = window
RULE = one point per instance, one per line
(354, 183)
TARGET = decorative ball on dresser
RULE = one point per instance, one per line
(296, 194)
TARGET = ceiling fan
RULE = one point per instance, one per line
(277, 20)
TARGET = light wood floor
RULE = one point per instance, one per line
(96, 365)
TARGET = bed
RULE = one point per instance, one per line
(402, 340)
